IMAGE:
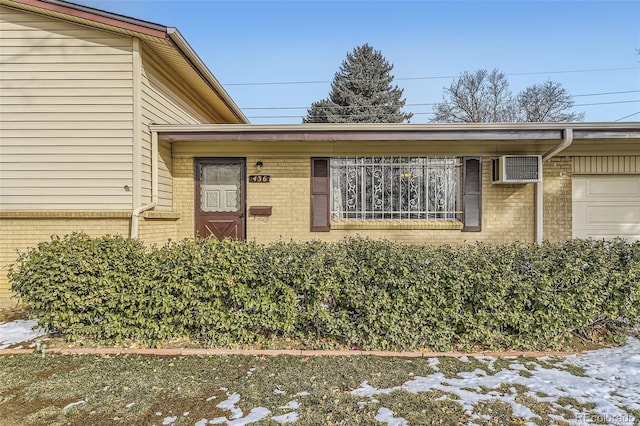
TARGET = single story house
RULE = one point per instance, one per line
(112, 125)
(406, 182)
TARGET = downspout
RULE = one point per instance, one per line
(567, 140)
(135, 217)
(137, 145)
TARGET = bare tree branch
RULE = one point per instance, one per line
(484, 96)
(548, 101)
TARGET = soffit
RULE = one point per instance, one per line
(169, 54)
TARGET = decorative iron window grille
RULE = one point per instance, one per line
(395, 188)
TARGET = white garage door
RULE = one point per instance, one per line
(606, 207)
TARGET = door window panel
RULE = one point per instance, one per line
(220, 187)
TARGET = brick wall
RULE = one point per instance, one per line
(21, 233)
(157, 230)
(507, 214)
(183, 195)
(557, 210)
(508, 210)
(289, 195)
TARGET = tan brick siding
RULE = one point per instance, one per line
(507, 213)
(508, 210)
(157, 232)
(557, 209)
(20, 234)
(183, 195)
(288, 193)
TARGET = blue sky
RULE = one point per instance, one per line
(428, 42)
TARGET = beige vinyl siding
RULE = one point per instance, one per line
(67, 114)
(165, 99)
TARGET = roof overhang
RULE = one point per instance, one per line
(458, 139)
(166, 42)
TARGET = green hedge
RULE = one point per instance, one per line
(357, 292)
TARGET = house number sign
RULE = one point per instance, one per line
(260, 178)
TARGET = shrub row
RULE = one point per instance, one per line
(358, 292)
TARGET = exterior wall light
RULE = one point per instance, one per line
(259, 165)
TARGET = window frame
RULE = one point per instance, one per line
(414, 179)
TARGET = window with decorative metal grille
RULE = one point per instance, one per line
(395, 188)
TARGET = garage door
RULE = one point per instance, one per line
(606, 207)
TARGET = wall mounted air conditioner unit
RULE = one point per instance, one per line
(516, 169)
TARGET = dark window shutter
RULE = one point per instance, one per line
(472, 194)
(320, 220)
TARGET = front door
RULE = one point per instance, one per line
(220, 197)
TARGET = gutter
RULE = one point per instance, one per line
(533, 135)
(627, 129)
(135, 216)
(567, 140)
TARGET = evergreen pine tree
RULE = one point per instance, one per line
(361, 92)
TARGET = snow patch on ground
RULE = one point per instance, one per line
(433, 363)
(612, 380)
(169, 420)
(237, 417)
(18, 331)
(292, 405)
(74, 404)
(255, 415)
(615, 374)
(291, 417)
(230, 405)
(386, 416)
(286, 418)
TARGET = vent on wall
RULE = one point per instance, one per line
(516, 169)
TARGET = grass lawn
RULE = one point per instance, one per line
(359, 390)
(599, 387)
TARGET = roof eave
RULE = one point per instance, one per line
(134, 27)
(205, 73)
(94, 15)
(397, 132)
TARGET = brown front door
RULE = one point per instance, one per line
(220, 197)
